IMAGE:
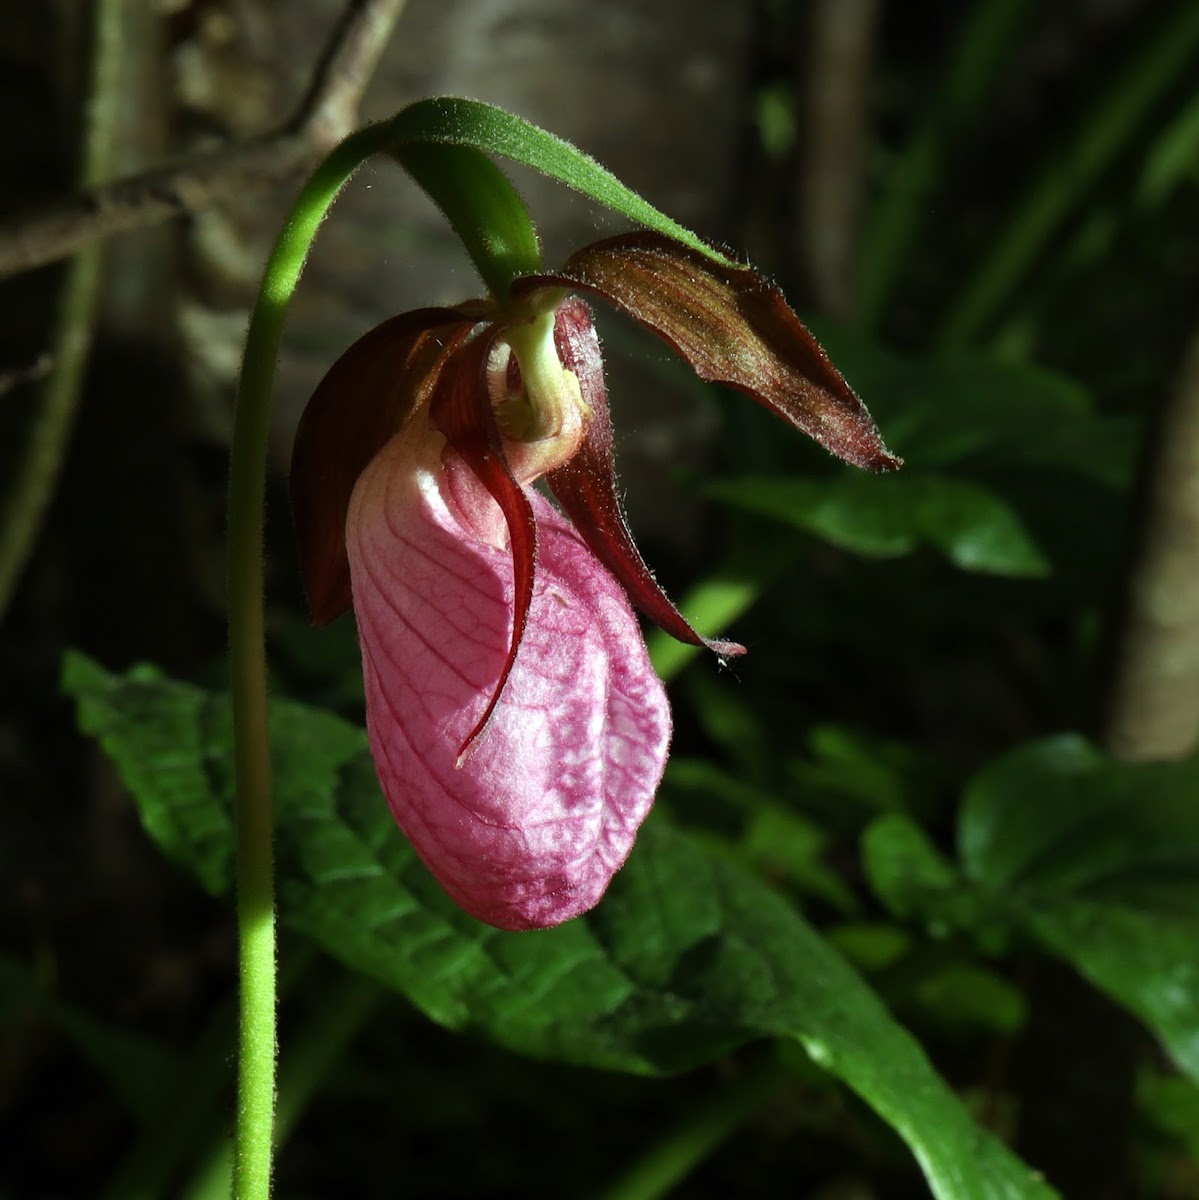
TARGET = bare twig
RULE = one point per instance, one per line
(328, 113)
(841, 36)
(41, 458)
(18, 376)
(1153, 711)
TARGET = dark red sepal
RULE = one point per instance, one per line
(586, 485)
(733, 327)
(461, 408)
(364, 398)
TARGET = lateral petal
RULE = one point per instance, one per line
(366, 395)
(461, 409)
(585, 486)
(733, 327)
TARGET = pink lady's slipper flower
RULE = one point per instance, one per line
(518, 728)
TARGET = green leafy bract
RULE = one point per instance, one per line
(686, 957)
(456, 121)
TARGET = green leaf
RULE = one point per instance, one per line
(454, 121)
(871, 945)
(1060, 816)
(1149, 962)
(1172, 1105)
(917, 883)
(859, 772)
(686, 957)
(1007, 467)
(977, 436)
(883, 516)
(482, 207)
(968, 996)
(1113, 122)
(1101, 860)
(901, 863)
(903, 204)
(773, 838)
(1097, 861)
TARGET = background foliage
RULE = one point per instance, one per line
(896, 889)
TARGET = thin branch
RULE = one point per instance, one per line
(330, 109)
(1153, 711)
(841, 41)
(19, 376)
(328, 113)
(41, 457)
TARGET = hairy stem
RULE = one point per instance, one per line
(247, 648)
(341, 1011)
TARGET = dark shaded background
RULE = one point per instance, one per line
(682, 101)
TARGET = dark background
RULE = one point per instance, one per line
(706, 108)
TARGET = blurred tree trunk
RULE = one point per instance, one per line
(833, 149)
(1153, 711)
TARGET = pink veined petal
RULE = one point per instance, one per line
(368, 393)
(530, 829)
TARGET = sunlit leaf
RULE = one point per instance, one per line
(1097, 861)
(457, 121)
(686, 957)
(1102, 859)
(886, 516)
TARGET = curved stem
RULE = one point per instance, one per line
(247, 649)
(340, 1010)
(488, 214)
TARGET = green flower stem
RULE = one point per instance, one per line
(486, 212)
(340, 1012)
(701, 1133)
(440, 142)
(39, 463)
(247, 647)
